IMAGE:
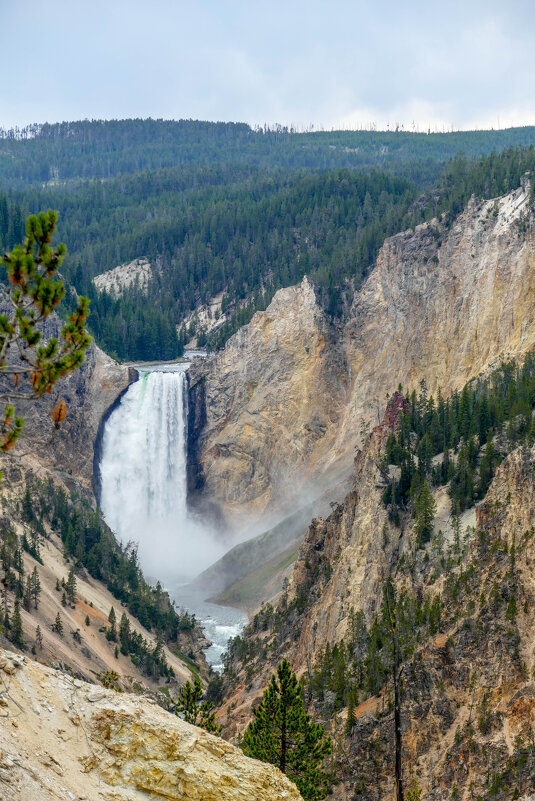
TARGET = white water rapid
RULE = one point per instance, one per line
(144, 497)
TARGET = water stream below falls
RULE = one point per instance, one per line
(144, 495)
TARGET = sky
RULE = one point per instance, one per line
(337, 63)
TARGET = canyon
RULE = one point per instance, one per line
(292, 408)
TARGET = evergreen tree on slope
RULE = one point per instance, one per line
(283, 734)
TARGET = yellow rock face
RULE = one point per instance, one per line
(442, 313)
(62, 738)
(180, 761)
(288, 397)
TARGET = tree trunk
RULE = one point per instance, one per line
(397, 721)
(283, 742)
(398, 767)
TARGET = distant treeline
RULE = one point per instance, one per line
(104, 149)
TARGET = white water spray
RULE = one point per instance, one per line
(144, 481)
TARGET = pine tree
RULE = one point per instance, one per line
(111, 633)
(5, 617)
(35, 587)
(70, 586)
(283, 734)
(512, 610)
(124, 634)
(38, 637)
(15, 634)
(188, 707)
(424, 514)
(27, 598)
(456, 526)
(27, 506)
(57, 626)
(34, 293)
(351, 718)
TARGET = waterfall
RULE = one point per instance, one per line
(144, 480)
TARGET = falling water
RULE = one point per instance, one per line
(144, 482)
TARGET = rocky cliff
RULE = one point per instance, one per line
(269, 403)
(467, 710)
(443, 306)
(64, 739)
(90, 393)
(341, 566)
(290, 396)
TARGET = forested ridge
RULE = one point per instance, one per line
(221, 208)
(89, 545)
(106, 148)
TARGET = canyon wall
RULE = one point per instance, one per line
(468, 689)
(90, 393)
(291, 395)
(271, 405)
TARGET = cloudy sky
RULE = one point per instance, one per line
(331, 63)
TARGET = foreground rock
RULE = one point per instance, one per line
(65, 739)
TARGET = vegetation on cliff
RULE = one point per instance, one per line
(89, 545)
(472, 429)
(462, 600)
(283, 734)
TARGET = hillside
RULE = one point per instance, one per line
(82, 647)
(465, 627)
(222, 210)
(102, 149)
(50, 526)
(64, 739)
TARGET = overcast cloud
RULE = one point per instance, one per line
(339, 63)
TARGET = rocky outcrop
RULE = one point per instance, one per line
(64, 739)
(272, 401)
(290, 397)
(136, 275)
(89, 392)
(442, 306)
